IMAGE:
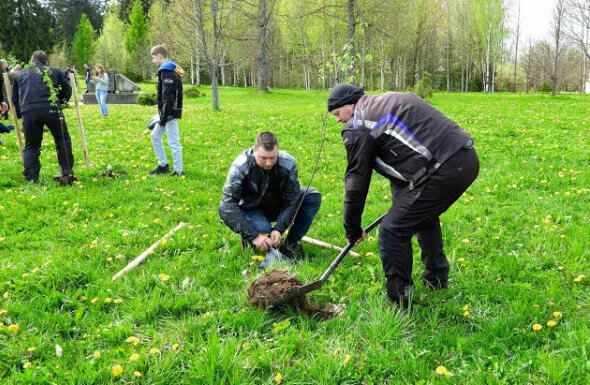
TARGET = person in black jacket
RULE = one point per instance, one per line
(430, 162)
(39, 93)
(170, 111)
(262, 187)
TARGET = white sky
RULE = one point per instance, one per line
(535, 18)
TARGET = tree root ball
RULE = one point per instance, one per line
(269, 290)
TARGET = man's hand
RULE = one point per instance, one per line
(262, 242)
(356, 241)
(3, 107)
(275, 238)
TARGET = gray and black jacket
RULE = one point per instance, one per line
(249, 187)
(402, 138)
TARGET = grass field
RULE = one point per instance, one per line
(517, 242)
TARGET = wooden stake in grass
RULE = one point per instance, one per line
(80, 123)
(17, 130)
(150, 250)
(326, 245)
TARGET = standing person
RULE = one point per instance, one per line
(101, 82)
(39, 92)
(3, 99)
(87, 77)
(170, 111)
(262, 187)
(430, 162)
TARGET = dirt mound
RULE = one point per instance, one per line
(271, 288)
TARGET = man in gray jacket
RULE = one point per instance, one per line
(262, 187)
(430, 162)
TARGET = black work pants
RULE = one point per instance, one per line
(33, 123)
(417, 212)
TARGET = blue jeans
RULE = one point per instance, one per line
(101, 99)
(173, 132)
(309, 208)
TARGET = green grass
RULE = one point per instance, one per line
(516, 241)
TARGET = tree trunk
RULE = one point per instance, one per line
(263, 63)
(351, 28)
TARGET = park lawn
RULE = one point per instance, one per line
(517, 242)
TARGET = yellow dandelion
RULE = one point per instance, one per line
(466, 307)
(137, 373)
(116, 370)
(258, 258)
(466, 241)
(163, 277)
(13, 328)
(347, 359)
(118, 301)
(134, 357)
(551, 323)
(154, 351)
(175, 347)
(97, 354)
(94, 300)
(31, 349)
(27, 365)
(442, 371)
(537, 327)
(132, 340)
(556, 314)
(579, 278)
(466, 313)
(279, 378)
(108, 300)
(94, 244)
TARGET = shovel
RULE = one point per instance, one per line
(302, 290)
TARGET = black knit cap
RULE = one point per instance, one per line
(344, 94)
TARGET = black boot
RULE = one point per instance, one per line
(400, 293)
(160, 170)
(292, 250)
(65, 180)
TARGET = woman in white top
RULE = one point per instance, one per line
(101, 81)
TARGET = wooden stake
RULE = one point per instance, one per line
(17, 130)
(326, 245)
(80, 123)
(150, 250)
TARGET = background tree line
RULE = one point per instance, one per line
(462, 45)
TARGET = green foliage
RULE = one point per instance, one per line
(110, 47)
(83, 45)
(147, 99)
(516, 243)
(136, 42)
(192, 92)
(424, 86)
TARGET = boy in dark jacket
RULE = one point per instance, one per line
(39, 92)
(170, 111)
(430, 162)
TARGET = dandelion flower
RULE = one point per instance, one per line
(347, 359)
(134, 357)
(137, 373)
(97, 354)
(551, 323)
(556, 314)
(163, 277)
(154, 351)
(116, 370)
(537, 327)
(108, 300)
(13, 328)
(579, 278)
(279, 378)
(466, 313)
(132, 340)
(442, 371)
(257, 258)
(118, 301)
(31, 349)
(27, 365)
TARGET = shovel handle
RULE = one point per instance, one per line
(346, 250)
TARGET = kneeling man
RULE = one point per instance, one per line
(262, 188)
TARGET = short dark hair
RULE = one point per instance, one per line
(39, 57)
(266, 140)
(159, 49)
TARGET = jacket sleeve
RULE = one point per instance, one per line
(2, 97)
(229, 211)
(290, 195)
(15, 97)
(361, 150)
(167, 96)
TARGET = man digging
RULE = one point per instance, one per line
(430, 162)
(262, 187)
